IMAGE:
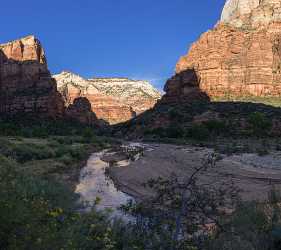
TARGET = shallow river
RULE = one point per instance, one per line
(95, 184)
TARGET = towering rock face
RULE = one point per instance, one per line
(26, 85)
(241, 56)
(112, 99)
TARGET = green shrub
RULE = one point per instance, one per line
(66, 159)
(160, 132)
(61, 150)
(253, 225)
(40, 132)
(259, 123)
(216, 127)
(88, 135)
(9, 129)
(69, 153)
(26, 152)
(198, 132)
(78, 153)
(32, 211)
(174, 132)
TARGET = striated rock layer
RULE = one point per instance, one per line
(241, 56)
(26, 85)
(112, 99)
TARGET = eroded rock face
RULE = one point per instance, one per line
(241, 56)
(81, 110)
(183, 87)
(112, 99)
(26, 85)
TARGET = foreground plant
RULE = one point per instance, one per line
(183, 212)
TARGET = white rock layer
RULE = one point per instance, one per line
(251, 13)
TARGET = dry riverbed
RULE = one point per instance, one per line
(253, 174)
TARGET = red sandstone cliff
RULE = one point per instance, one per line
(26, 85)
(241, 56)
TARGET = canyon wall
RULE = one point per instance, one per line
(113, 100)
(241, 56)
(26, 85)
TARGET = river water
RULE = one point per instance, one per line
(95, 184)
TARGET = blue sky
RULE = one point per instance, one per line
(141, 39)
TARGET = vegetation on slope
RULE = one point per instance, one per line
(38, 210)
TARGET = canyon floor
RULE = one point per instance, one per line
(254, 173)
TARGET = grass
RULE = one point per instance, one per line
(272, 101)
(56, 157)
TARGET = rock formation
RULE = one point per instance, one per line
(26, 85)
(81, 110)
(183, 87)
(112, 99)
(241, 56)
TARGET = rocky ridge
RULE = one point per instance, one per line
(113, 99)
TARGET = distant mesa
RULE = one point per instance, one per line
(114, 100)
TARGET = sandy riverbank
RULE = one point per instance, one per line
(253, 174)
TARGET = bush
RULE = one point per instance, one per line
(160, 132)
(216, 127)
(10, 129)
(25, 152)
(198, 132)
(67, 140)
(78, 153)
(259, 124)
(174, 132)
(88, 135)
(66, 159)
(32, 211)
(39, 214)
(253, 225)
(40, 132)
(70, 153)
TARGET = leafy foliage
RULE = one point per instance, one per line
(259, 123)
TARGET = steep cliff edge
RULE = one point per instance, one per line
(26, 85)
(113, 99)
(241, 57)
